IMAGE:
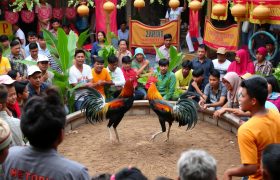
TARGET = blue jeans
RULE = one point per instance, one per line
(139, 94)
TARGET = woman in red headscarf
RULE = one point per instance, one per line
(242, 63)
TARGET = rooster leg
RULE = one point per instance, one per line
(155, 135)
(111, 137)
(117, 136)
(168, 132)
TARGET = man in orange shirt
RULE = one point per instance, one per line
(262, 129)
(101, 76)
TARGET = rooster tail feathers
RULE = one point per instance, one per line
(93, 105)
(185, 112)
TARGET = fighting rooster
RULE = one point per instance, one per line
(96, 109)
(184, 111)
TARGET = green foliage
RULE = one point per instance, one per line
(18, 5)
(82, 38)
(277, 73)
(77, 2)
(105, 52)
(63, 49)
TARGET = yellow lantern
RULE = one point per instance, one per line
(83, 10)
(261, 12)
(219, 10)
(108, 7)
(238, 11)
(139, 4)
(174, 4)
(195, 5)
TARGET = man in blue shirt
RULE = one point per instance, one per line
(201, 61)
(35, 86)
(123, 32)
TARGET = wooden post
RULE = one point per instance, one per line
(108, 27)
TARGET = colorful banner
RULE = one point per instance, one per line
(101, 16)
(5, 28)
(223, 2)
(194, 23)
(221, 37)
(145, 36)
(274, 17)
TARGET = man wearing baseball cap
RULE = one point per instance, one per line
(35, 86)
(43, 64)
(221, 63)
(5, 140)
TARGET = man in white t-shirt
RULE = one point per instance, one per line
(80, 73)
(20, 34)
(174, 14)
(221, 63)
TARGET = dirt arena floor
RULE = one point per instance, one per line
(90, 145)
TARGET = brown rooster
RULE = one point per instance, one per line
(184, 111)
(96, 109)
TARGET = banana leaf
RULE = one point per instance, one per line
(175, 58)
(62, 47)
(26, 62)
(82, 38)
(160, 55)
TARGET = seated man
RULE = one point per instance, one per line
(197, 164)
(43, 124)
(183, 77)
(262, 66)
(215, 92)
(14, 123)
(35, 86)
(130, 74)
(117, 77)
(221, 63)
(101, 76)
(140, 64)
(166, 80)
(198, 84)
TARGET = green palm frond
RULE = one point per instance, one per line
(185, 112)
(93, 105)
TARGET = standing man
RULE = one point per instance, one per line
(79, 73)
(20, 34)
(32, 38)
(201, 61)
(16, 55)
(221, 63)
(164, 49)
(262, 129)
(174, 14)
(123, 32)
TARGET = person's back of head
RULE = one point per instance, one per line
(271, 162)
(196, 165)
(132, 173)
(43, 120)
(103, 176)
(198, 72)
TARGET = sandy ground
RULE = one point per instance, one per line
(90, 146)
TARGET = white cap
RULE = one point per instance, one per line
(32, 69)
(6, 79)
(42, 58)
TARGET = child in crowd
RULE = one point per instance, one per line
(101, 76)
(215, 92)
(184, 77)
(22, 92)
(130, 74)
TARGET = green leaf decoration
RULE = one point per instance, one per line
(160, 55)
(82, 38)
(62, 47)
